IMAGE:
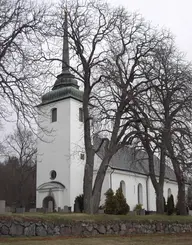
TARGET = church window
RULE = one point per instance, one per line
(53, 174)
(81, 118)
(54, 115)
(140, 194)
(169, 192)
(122, 186)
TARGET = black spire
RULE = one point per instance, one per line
(65, 79)
(65, 58)
(66, 85)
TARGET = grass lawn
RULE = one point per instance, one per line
(63, 217)
(183, 239)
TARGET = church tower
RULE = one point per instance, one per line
(60, 160)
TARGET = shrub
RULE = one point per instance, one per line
(79, 200)
(110, 202)
(170, 205)
(121, 205)
(115, 204)
(165, 205)
(138, 208)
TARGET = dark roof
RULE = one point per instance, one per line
(136, 161)
(62, 93)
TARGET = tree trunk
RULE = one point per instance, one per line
(98, 184)
(159, 197)
(88, 182)
(158, 186)
(96, 199)
(181, 198)
(159, 201)
(21, 196)
(182, 209)
(89, 164)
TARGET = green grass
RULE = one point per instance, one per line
(59, 217)
(184, 239)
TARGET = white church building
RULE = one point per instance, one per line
(61, 159)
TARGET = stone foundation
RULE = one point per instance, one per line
(15, 227)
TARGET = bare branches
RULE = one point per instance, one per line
(167, 106)
(22, 34)
(22, 145)
(137, 87)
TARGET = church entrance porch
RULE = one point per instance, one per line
(53, 193)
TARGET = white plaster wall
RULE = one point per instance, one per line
(167, 184)
(54, 149)
(76, 148)
(106, 186)
(60, 151)
(131, 186)
(151, 197)
(174, 190)
(39, 198)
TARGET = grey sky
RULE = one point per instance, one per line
(173, 14)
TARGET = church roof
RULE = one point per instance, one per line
(66, 85)
(62, 93)
(136, 161)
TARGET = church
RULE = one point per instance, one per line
(61, 155)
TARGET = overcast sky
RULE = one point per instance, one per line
(175, 15)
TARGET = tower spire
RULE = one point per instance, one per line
(65, 58)
(66, 80)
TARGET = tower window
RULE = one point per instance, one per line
(53, 174)
(54, 115)
(81, 118)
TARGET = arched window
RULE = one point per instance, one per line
(54, 115)
(169, 192)
(140, 193)
(81, 118)
(122, 186)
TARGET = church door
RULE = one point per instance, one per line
(46, 201)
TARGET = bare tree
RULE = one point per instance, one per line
(162, 110)
(125, 78)
(178, 137)
(22, 36)
(22, 145)
(108, 45)
(146, 109)
(129, 78)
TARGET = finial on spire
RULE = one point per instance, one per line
(65, 59)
